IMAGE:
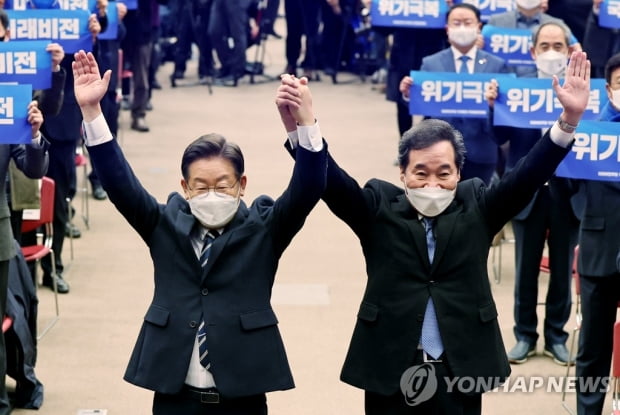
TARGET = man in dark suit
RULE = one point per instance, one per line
(548, 217)
(428, 316)
(463, 28)
(596, 203)
(219, 292)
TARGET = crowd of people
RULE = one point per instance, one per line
(459, 175)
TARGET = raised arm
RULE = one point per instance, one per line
(89, 86)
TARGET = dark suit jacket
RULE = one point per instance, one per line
(477, 132)
(233, 292)
(401, 279)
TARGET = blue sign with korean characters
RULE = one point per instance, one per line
(531, 102)
(14, 126)
(91, 6)
(609, 14)
(26, 62)
(409, 13)
(450, 94)
(489, 7)
(67, 27)
(595, 154)
(512, 45)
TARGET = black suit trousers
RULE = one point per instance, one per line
(550, 215)
(599, 304)
(176, 404)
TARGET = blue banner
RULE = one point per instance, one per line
(67, 27)
(112, 31)
(489, 7)
(531, 102)
(131, 4)
(14, 126)
(26, 62)
(450, 94)
(512, 45)
(595, 154)
(31, 4)
(409, 13)
(609, 14)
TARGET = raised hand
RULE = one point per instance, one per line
(294, 102)
(57, 53)
(35, 118)
(89, 86)
(575, 92)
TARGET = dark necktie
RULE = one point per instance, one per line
(463, 68)
(430, 340)
(202, 332)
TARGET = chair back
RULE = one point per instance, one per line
(47, 207)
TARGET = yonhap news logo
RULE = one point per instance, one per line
(418, 384)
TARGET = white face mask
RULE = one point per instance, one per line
(528, 4)
(430, 201)
(615, 98)
(213, 211)
(551, 63)
(462, 36)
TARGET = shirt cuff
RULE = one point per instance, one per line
(293, 138)
(560, 137)
(97, 131)
(310, 137)
(36, 141)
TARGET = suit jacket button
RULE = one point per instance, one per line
(204, 291)
(193, 324)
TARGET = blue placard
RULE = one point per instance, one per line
(67, 27)
(512, 45)
(26, 62)
(609, 14)
(595, 154)
(131, 4)
(14, 126)
(409, 13)
(490, 7)
(31, 4)
(450, 94)
(112, 30)
(531, 102)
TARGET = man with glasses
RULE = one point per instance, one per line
(209, 342)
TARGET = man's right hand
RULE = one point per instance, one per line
(405, 86)
(88, 85)
(294, 102)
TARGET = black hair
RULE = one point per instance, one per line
(427, 133)
(212, 145)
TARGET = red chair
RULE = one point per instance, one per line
(44, 248)
(7, 322)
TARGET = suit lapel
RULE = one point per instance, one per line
(231, 229)
(480, 63)
(403, 207)
(443, 232)
(447, 61)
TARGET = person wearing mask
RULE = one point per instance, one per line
(428, 317)
(598, 265)
(529, 14)
(209, 341)
(463, 56)
(548, 217)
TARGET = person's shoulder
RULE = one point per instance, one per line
(436, 57)
(499, 19)
(388, 189)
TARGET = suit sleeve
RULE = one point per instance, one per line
(517, 187)
(301, 195)
(345, 198)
